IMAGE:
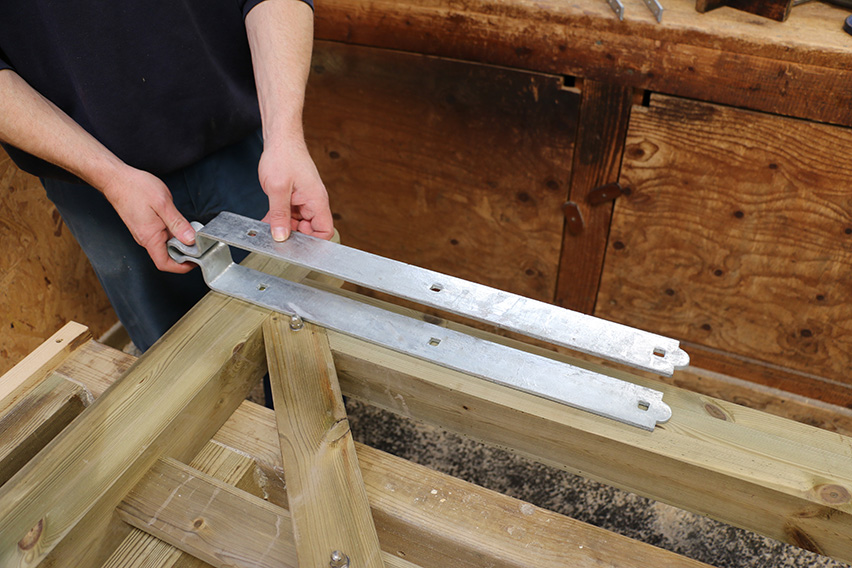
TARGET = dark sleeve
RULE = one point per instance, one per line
(247, 5)
(4, 64)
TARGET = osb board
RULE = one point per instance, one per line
(737, 235)
(45, 280)
(457, 167)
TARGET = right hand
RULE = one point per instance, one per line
(145, 205)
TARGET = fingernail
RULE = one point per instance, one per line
(279, 234)
(188, 237)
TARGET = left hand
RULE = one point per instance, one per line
(298, 200)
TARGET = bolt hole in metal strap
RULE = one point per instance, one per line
(576, 387)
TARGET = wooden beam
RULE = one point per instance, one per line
(168, 404)
(783, 479)
(214, 521)
(37, 365)
(800, 70)
(604, 117)
(327, 498)
(749, 469)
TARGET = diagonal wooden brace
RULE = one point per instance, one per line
(332, 522)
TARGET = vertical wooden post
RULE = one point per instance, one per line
(325, 490)
(604, 117)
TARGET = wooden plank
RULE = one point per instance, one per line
(45, 279)
(744, 241)
(36, 419)
(142, 550)
(216, 351)
(326, 493)
(422, 515)
(214, 521)
(604, 116)
(745, 467)
(797, 68)
(209, 519)
(465, 165)
(38, 364)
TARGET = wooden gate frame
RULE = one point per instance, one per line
(172, 449)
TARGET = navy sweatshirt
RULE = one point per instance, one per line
(161, 83)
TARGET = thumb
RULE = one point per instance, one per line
(279, 214)
(177, 224)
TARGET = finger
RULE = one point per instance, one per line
(176, 223)
(159, 254)
(279, 213)
(322, 224)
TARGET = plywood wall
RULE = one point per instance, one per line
(45, 280)
(737, 235)
(458, 167)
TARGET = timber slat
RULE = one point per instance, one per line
(604, 116)
(798, 68)
(325, 490)
(214, 521)
(36, 419)
(421, 514)
(37, 365)
(227, 466)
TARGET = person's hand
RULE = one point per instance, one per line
(145, 205)
(298, 200)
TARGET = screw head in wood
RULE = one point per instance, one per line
(339, 560)
(296, 322)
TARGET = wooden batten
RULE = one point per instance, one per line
(604, 116)
(328, 502)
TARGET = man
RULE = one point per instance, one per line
(139, 115)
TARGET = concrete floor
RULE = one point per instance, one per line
(691, 535)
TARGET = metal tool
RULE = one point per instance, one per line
(653, 5)
(573, 386)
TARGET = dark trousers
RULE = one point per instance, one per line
(148, 302)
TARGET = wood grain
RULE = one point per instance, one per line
(455, 167)
(37, 365)
(45, 279)
(798, 68)
(36, 419)
(215, 521)
(737, 236)
(325, 490)
(604, 116)
(143, 550)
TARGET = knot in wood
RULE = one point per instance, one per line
(833, 494)
(32, 537)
